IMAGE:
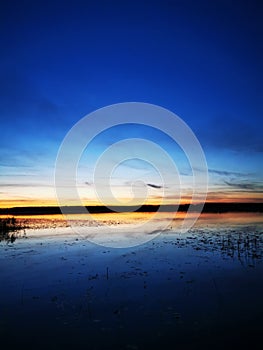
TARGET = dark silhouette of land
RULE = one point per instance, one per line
(208, 208)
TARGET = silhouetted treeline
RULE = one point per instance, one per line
(208, 208)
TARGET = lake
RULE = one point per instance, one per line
(199, 289)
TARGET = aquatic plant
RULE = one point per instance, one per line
(9, 228)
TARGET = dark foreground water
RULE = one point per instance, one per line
(200, 290)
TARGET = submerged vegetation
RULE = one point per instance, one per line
(9, 229)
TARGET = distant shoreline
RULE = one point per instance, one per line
(208, 208)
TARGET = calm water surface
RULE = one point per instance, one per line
(198, 290)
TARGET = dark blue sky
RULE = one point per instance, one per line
(63, 59)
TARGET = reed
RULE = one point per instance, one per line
(8, 229)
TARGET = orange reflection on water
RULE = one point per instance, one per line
(230, 218)
(58, 220)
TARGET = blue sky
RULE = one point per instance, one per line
(63, 59)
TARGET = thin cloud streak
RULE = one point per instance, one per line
(154, 186)
(225, 172)
(251, 187)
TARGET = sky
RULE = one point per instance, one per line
(61, 60)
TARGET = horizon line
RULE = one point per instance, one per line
(71, 209)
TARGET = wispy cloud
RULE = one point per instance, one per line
(8, 175)
(246, 186)
(137, 164)
(225, 172)
(14, 163)
(38, 185)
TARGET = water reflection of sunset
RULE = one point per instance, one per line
(119, 219)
